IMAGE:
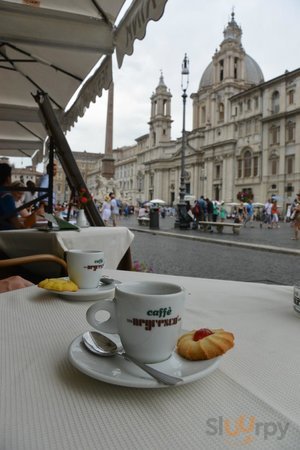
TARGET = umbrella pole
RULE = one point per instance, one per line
(65, 155)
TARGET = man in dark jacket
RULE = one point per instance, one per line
(210, 209)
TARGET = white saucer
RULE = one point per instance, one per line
(84, 295)
(117, 370)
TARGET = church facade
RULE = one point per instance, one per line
(245, 141)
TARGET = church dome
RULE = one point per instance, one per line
(253, 73)
(207, 77)
(232, 37)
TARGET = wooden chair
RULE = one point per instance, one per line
(15, 266)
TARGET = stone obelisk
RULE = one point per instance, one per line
(108, 168)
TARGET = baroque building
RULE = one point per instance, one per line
(245, 135)
(92, 170)
(89, 165)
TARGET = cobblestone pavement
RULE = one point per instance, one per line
(200, 254)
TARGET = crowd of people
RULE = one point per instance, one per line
(206, 210)
(247, 213)
(267, 215)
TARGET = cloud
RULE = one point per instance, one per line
(194, 27)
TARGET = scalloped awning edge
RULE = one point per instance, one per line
(92, 89)
(134, 23)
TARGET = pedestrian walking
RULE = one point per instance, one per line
(268, 213)
(115, 211)
(275, 215)
(296, 217)
(106, 210)
(196, 214)
(240, 213)
(249, 212)
(223, 212)
(209, 209)
(203, 209)
(215, 211)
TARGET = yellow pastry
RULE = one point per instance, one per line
(204, 343)
(58, 284)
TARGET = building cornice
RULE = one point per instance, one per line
(280, 115)
(265, 84)
(219, 144)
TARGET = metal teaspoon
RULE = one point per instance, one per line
(103, 346)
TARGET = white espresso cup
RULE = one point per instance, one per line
(147, 315)
(85, 267)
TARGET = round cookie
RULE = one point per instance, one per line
(204, 344)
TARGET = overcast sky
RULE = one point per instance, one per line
(270, 35)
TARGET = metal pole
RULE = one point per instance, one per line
(182, 220)
(183, 146)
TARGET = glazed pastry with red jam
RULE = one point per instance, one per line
(204, 343)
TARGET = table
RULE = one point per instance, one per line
(48, 404)
(114, 241)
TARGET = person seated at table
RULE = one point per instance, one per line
(9, 216)
(13, 283)
(27, 218)
(8, 211)
(30, 195)
(19, 201)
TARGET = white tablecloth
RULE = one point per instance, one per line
(45, 403)
(114, 241)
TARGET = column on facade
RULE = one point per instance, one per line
(196, 114)
(208, 110)
(227, 185)
(242, 67)
(160, 188)
(227, 61)
(209, 177)
(168, 109)
(281, 178)
(214, 111)
(195, 176)
(265, 166)
(146, 184)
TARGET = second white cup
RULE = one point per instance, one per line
(85, 267)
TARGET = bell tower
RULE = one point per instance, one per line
(160, 118)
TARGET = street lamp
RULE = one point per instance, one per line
(182, 216)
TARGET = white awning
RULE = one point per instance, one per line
(133, 25)
(53, 46)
